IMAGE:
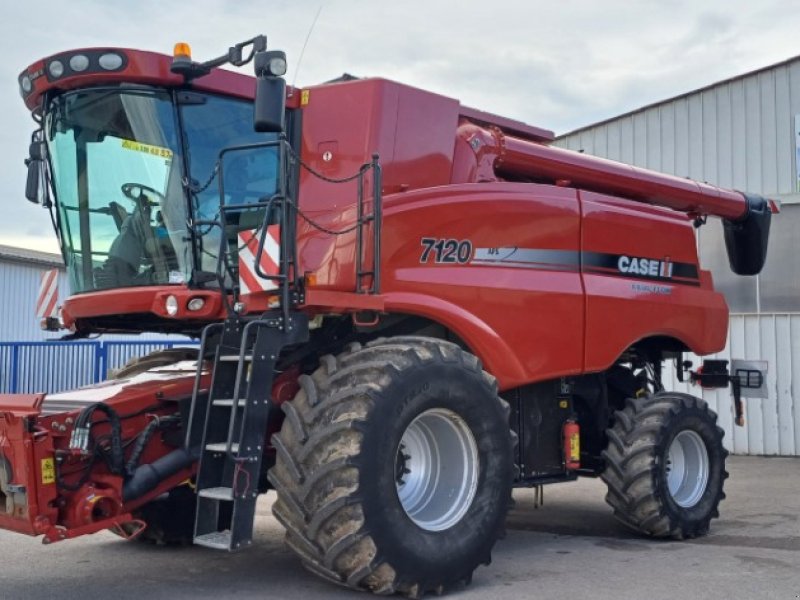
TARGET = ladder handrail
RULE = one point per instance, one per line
(197, 380)
(251, 325)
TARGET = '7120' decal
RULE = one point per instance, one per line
(445, 251)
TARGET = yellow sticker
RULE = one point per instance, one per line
(147, 148)
(48, 471)
(575, 447)
(304, 97)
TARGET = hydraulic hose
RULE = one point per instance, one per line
(147, 477)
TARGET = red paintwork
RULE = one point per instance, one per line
(449, 172)
(617, 316)
(148, 68)
(520, 157)
(27, 438)
(505, 314)
(571, 432)
(20, 404)
(142, 300)
(433, 151)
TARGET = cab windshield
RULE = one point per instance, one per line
(116, 157)
(121, 208)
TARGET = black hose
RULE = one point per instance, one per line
(84, 420)
(143, 439)
(147, 477)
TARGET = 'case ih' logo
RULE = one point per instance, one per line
(647, 267)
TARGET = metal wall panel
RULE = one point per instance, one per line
(19, 287)
(772, 424)
(737, 134)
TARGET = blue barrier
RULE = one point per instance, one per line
(34, 367)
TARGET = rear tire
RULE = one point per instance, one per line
(352, 458)
(665, 465)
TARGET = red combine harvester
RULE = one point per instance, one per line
(406, 309)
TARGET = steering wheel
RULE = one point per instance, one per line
(135, 192)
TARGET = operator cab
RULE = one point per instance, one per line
(135, 174)
(126, 189)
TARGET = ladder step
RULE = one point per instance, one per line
(228, 402)
(217, 493)
(235, 358)
(219, 540)
(221, 446)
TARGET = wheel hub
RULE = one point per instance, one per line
(436, 469)
(687, 468)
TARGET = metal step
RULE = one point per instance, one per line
(219, 540)
(217, 493)
(234, 358)
(221, 447)
(228, 402)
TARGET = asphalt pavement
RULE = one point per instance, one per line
(569, 548)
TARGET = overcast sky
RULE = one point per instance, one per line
(557, 64)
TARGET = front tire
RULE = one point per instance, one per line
(665, 465)
(394, 467)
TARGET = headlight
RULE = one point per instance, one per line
(196, 304)
(171, 306)
(110, 61)
(79, 62)
(25, 84)
(56, 69)
(277, 66)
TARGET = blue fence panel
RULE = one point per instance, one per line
(7, 368)
(48, 367)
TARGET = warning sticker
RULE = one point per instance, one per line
(305, 96)
(147, 149)
(48, 471)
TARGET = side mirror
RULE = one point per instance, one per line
(32, 185)
(269, 108)
(35, 164)
(36, 150)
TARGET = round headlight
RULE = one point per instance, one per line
(277, 66)
(79, 63)
(110, 61)
(171, 306)
(26, 84)
(56, 69)
(196, 304)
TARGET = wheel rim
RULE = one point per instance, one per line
(437, 469)
(687, 468)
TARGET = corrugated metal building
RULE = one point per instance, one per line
(20, 276)
(741, 133)
(28, 363)
(21, 271)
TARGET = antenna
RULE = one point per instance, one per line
(303, 51)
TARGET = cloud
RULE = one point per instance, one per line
(556, 65)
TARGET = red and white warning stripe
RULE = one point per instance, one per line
(47, 301)
(249, 280)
